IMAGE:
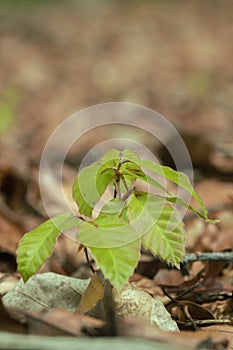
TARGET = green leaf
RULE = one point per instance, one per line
(107, 231)
(130, 155)
(178, 178)
(143, 210)
(163, 228)
(113, 207)
(137, 173)
(132, 169)
(180, 201)
(36, 246)
(89, 186)
(117, 264)
(111, 157)
(166, 239)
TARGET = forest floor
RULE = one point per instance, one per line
(174, 57)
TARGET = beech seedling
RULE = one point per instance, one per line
(130, 220)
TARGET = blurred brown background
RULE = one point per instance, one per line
(60, 56)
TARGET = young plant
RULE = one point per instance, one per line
(130, 220)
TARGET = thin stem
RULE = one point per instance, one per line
(121, 161)
(192, 288)
(117, 189)
(182, 307)
(118, 176)
(126, 196)
(88, 260)
(124, 183)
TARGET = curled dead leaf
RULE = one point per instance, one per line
(92, 295)
(60, 322)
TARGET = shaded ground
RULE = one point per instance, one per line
(172, 56)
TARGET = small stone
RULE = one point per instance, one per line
(133, 302)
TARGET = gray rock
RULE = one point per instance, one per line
(48, 290)
(133, 302)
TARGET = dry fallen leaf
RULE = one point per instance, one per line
(8, 324)
(214, 335)
(92, 295)
(60, 322)
(168, 277)
(185, 310)
(10, 235)
(7, 282)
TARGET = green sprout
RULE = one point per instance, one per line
(130, 220)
